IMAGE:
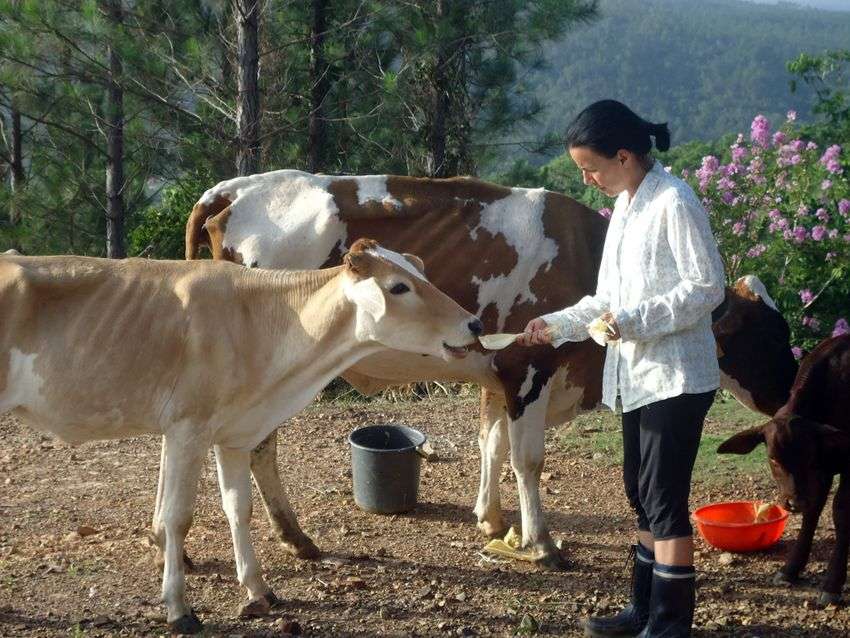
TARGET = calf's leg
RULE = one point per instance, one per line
(278, 509)
(836, 572)
(156, 537)
(799, 554)
(183, 460)
(234, 480)
(493, 445)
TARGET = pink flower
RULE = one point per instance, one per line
(778, 138)
(799, 234)
(811, 146)
(757, 250)
(825, 185)
(605, 212)
(819, 232)
(812, 323)
(841, 328)
(829, 159)
(791, 115)
(738, 154)
(806, 296)
(822, 215)
(833, 233)
(704, 173)
(844, 207)
(803, 211)
(797, 352)
(739, 228)
(760, 131)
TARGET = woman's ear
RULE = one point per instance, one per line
(623, 156)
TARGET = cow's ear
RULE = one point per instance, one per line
(743, 442)
(416, 262)
(357, 263)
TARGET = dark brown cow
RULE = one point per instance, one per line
(506, 254)
(808, 443)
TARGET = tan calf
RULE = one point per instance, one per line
(205, 353)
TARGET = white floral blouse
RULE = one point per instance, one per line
(661, 276)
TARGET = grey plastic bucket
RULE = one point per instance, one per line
(385, 467)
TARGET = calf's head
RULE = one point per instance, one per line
(399, 308)
(803, 456)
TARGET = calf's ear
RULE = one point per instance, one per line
(743, 442)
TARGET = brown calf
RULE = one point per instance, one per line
(808, 443)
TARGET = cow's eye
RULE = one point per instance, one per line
(399, 289)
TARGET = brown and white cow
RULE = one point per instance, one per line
(507, 254)
(808, 443)
(205, 353)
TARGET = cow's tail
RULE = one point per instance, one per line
(196, 234)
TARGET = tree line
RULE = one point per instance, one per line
(115, 115)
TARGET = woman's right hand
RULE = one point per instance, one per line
(536, 333)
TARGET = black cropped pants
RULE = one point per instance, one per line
(660, 443)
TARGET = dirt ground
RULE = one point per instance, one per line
(419, 574)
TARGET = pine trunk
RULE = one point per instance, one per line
(17, 167)
(437, 166)
(316, 137)
(115, 244)
(248, 98)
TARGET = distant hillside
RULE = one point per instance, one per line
(705, 67)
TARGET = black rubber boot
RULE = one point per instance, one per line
(632, 619)
(672, 605)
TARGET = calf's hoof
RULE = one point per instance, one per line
(305, 549)
(493, 530)
(828, 598)
(273, 600)
(553, 562)
(256, 608)
(188, 624)
(781, 578)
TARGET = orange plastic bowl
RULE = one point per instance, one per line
(731, 526)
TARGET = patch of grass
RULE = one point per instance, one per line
(600, 433)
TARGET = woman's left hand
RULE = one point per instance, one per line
(608, 318)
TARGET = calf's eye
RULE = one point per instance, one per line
(399, 289)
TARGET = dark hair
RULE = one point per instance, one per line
(607, 126)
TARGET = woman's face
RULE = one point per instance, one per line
(608, 174)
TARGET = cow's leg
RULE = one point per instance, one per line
(156, 536)
(234, 480)
(281, 516)
(183, 460)
(799, 554)
(493, 444)
(836, 572)
(526, 441)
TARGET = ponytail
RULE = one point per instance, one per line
(608, 126)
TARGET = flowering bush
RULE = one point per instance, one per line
(780, 209)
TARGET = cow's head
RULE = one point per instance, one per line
(754, 345)
(399, 308)
(803, 455)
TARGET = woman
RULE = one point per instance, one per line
(661, 276)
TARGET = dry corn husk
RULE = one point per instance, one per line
(498, 340)
(600, 331)
(761, 513)
(509, 547)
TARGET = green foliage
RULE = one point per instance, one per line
(829, 76)
(160, 228)
(703, 67)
